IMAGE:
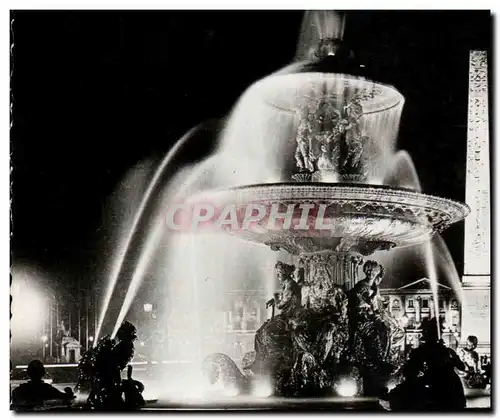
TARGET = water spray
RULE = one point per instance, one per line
(433, 279)
(120, 258)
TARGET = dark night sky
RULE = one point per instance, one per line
(96, 92)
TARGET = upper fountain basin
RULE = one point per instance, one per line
(295, 91)
(314, 126)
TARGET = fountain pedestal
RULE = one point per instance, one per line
(332, 268)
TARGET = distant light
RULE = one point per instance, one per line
(91, 339)
(44, 338)
(148, 307)
(347, 388)
(29, 308)
(141, 343)
(46, 344)
(362, 65)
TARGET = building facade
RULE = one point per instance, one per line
(413, 303)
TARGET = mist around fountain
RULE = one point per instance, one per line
(197, 272)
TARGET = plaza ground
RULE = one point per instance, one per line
(477, 400)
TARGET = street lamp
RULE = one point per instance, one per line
(148, 307)
(44, 345)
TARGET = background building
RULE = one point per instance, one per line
(413, 303)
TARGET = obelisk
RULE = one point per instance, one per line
(476, 305)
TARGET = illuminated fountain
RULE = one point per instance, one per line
(330, 209)
(308, 165)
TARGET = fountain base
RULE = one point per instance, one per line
(325, 340)
(331, 327)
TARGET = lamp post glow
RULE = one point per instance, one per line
(148, 307)
(44, 346)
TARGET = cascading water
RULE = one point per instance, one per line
(436, 257)
(201, 270)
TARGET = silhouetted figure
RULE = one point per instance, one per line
(431, 382)
(132, 391)
(102, 367)
(35, 392)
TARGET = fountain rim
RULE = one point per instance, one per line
(323, 191)
(399, 98)
(419, 216)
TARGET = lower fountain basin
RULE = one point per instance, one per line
(338, 217)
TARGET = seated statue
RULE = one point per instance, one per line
(370, 329)
(473, 375)
(100, 368)
(319, 332)
(396, 337)
(274, 353)
(319, 339)
(468, 354)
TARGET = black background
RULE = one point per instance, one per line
(93, 93)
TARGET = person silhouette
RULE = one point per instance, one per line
(35, 392)
(431, 382)
(105, 365)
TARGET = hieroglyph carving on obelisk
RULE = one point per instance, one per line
(477, 225)
(476, 307)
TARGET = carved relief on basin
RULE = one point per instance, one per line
(336, 216)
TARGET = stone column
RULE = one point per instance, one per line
(418, 309)
(476, 306)
(332, 268)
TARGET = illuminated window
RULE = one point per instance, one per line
(411, 321)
